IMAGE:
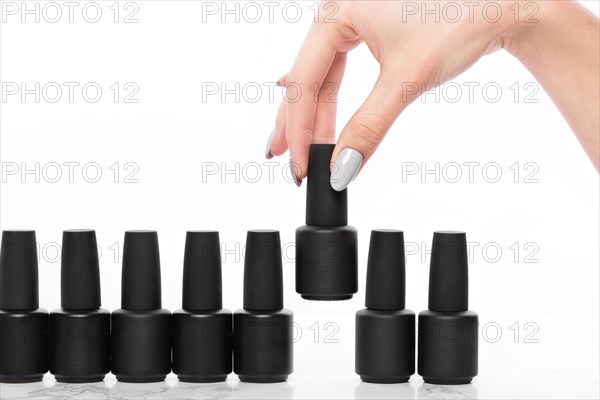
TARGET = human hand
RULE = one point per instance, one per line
(414, 54)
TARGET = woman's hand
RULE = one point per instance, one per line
(418, 45)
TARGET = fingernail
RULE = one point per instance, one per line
(268, 154)
(293, 172)
(345, 168)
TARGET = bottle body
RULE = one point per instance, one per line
(326, 262)
(79, 345)
(140, 345)
(202, 345)
(385, 345)
(262, 345)
(23, 345)
(448, 346)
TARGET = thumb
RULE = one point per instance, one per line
(368, 126)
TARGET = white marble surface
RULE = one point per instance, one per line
(299, 386)
(171, 388)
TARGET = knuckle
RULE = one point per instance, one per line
(370, 129)
(306, 132)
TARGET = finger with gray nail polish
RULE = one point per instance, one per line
(268, 154)
(345, 168)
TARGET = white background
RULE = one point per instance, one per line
(173, 136)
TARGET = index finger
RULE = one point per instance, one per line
(303, 83)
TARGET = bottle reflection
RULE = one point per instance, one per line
(389, 391)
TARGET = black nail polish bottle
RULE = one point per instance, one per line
(202, 329)
(448, 332)
(385, 331)
(23, 326)
(326, 247)
(80, 330)
(263, 330)
(141, 329)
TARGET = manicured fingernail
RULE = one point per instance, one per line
(293, 172)
(268, 154)
(345, 168)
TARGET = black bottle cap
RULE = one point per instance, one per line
(140, 280)
(448, 273)
(324, 206)
(386, 270)
(263, 275)
(80, 270)
(18, 271)
(202, 271)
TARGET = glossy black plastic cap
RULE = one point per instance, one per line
(18, 271)
(202, 287)
(386, 271)
(263, 275)
(448, 273)
(140, 279)
(324, 206)
(80, 270)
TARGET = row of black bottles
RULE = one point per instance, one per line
(142, 342)
(142, 334)
(327, 269)
(447, 332)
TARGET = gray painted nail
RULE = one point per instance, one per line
(268, 154)
(345, 168)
